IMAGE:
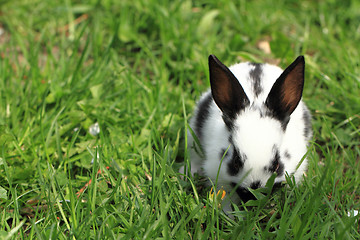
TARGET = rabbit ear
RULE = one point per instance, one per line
(226, 89)
(286, 92)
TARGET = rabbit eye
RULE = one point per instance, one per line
(223, 152)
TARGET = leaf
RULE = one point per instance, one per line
(125, 33)
(207, 22)
(257, 193)
(102, 186)
(82, 146)
(185, 7)
(81, 8)
(270, 183)
(96, 91)
(23, 174)
(50, 98)
(14, 230)
(3, 193)
(5, 138)
(61, 178)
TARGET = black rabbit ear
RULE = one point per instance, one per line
(226, 89)
(286, 93)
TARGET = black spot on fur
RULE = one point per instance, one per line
(236, 163)
(202, 114)
(307, 120)
(243, 193)
(255, 74)
(276, 165)
(287, 154)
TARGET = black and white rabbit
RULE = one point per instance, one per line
(255, 112)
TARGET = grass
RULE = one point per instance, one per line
(136, 68)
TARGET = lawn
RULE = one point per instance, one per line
(134, 69)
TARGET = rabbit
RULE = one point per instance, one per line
(250, 124)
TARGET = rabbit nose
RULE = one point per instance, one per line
(255, 185)
(243, 193)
